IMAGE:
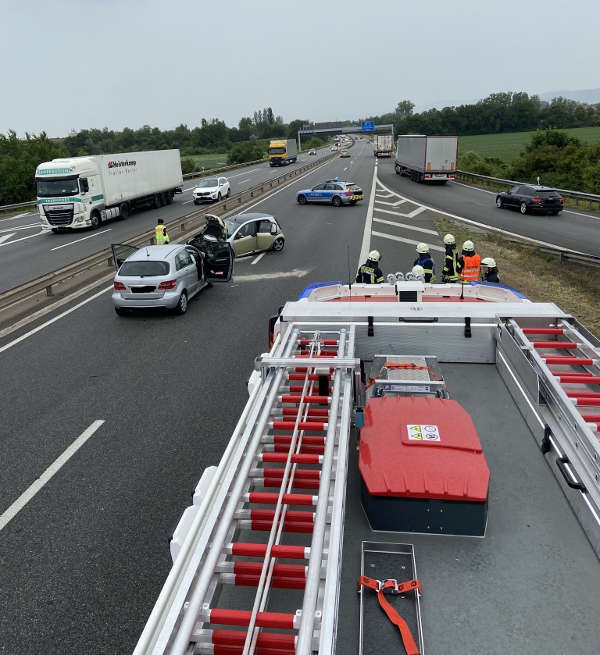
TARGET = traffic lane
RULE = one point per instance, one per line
(568, 231)
(19, 220)
(40, 253)
(94, 541)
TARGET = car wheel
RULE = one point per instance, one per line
(353, 202)
(95, 219)
(302, 199)
(170, 196)
(124, 210)
(499, 202)
(120, 311)
(553, 213)
(196, 202)
(182, 303)
(278, 244)
(523, 208)
(337, 201)
(228, 192)
(397, 170)
(219, 197)
(56, 230)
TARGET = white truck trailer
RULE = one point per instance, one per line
(427, 158)
(79, 192)
(384, 145)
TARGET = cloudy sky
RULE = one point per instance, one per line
(72, 64)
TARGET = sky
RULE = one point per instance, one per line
(74, 64)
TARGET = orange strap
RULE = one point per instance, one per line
(410, 366)
(410, 645)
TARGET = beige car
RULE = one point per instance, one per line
(254, 232)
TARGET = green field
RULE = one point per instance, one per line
(212, 160)
(509, 145)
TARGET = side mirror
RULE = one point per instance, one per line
(84, 185)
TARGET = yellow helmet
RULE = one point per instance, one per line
(422, 248)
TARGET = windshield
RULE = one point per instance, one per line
(65, 186)
(276, 151)
(211, 181)
(143, 269)
(230, 226)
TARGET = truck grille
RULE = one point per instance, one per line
(59, 215)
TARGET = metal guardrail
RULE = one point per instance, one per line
(579, 195)
(177, 227)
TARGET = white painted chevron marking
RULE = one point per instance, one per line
(411, 241)
(6, 237)
(414, 228)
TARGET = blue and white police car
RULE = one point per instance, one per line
(335, 192)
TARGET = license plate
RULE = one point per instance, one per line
(143, 289)
(356, 197)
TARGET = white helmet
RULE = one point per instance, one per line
(374, 255)
(418, 270)
(399, 276)
(489, 261)
(468, 245)
(391, 278)
(449, 240)
(422, 248)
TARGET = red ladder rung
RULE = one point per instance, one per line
(243, 549)
(267, 498)
(577, 379)
(591, 418)
(238, 638)
(277, 582)
(569, 361)
(242, 617)
(578, 394)
(299, 474)
(302, 425)
(284, 570)
(322, 400)
(558, 345)
(312, 439)
(271, 483)
(547, 330)
(312, 413)
(304, 449)
(300, 375)
(582, 401)
(325, 342)
(239, 650)
(281, 458)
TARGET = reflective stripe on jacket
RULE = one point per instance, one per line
(161, 235)
(369, 275)
(471, 266)
(450, 274)
(428, 267)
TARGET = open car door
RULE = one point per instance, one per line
(218, 261)
(120, 253)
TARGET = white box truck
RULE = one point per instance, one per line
(384, 145)
(427, 158)
(78, 192)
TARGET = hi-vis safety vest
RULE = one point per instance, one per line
(161, 236)
(471, 268)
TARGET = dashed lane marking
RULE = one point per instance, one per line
(257, 259)
(48, 474)
(270, 276)
(97, 234)
(403, 240)
(31, 236)
(6, 237)
(407, 227)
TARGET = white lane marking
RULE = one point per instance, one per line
(14, 218)
(10, 344)
(491, 228)
(415, 212)
(48, 474)
(10, 243)
(242, 181)
(251, 172)
(391, 204)
(389, 211)
(6, 237)
(411, 241)
(414, 228)
(257, 259)
(16, 228)
(187, 202)
(495, 193)
(270, 276)
(366, 240)
(97, 234)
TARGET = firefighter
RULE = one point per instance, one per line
(489, 270)
(160, 233)
(424, 259)
(369, 272)
(469, 263)
(449, 274)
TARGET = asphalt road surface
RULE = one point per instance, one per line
(26, 252)
(82, 562)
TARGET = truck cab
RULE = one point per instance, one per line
(282, 152)
(67, 191)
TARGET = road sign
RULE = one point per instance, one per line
(368, 126)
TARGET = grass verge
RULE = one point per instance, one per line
(541, 277)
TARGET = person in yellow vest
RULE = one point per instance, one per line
(160, 233)
(469, 263)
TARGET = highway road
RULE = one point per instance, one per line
(26, 252)
(571, 229)
(83, 561)
(151, 400)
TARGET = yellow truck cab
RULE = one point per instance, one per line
(282, 152)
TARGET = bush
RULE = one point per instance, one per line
(473, 162)
(315, 142)
(188, 165)
(243, 152)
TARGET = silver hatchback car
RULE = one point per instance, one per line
(166, 276)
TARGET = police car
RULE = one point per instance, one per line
(333, 191)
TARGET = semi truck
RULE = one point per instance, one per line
(384, 145)
(282, 152)
(78, 192)
(427, 158)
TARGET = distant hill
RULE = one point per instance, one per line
(587, 96)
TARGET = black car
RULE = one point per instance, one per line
(531, 198)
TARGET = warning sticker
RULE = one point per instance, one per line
(423, 433)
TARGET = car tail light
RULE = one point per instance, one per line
(168, 284)
(119, 286)
(427, 177)
(451, 177)
(349, 192)
(536, 200)
(561, 200)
